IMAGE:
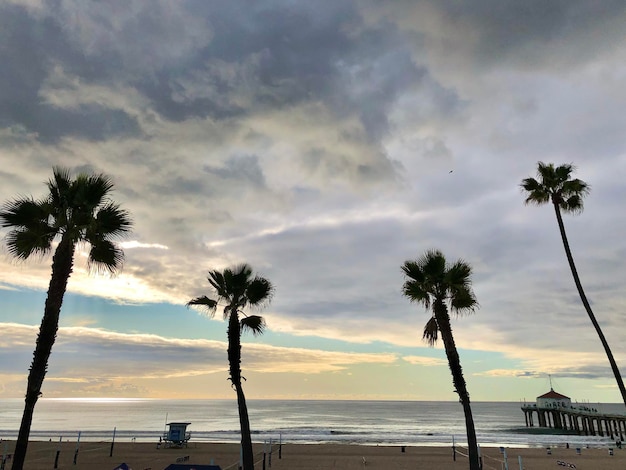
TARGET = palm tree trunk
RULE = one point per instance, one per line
(244, 423)
(61, 270)
(454, 362)
(234, 361)
(583, 298)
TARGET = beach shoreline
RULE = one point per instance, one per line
(142, 456)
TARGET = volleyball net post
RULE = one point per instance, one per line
(58, 452)
(77, 447)
(112, 442)
(270, 457)
(264, 453)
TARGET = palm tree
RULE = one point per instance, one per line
(434, 283)
(236, 288)
(555, 185)
(75, 211)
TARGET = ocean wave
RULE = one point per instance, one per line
(299, 422)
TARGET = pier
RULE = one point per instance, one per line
(579, 420)
(555, 411)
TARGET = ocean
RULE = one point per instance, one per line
(499, 424)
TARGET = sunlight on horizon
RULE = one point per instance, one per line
(99, 399)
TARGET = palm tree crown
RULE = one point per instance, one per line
(555, 185)
(79, 210)
(432, 280)
(237, 288)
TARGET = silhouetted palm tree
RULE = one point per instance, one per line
(555, 185)
(436, 285)
(237, 288)
(75, 211)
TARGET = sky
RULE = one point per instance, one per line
(324, 143)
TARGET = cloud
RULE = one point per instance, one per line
(425, 361)
(136, 244)
(83, 354)
(498, 34)
(316, 144)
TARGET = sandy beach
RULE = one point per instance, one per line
(142, 456)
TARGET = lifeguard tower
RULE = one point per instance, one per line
(176, 435)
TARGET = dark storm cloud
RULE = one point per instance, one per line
(229, 61)
(171, 99)
(532, 34)
(298, 45)
(523, 29)
(29, 51)
(259, 56)
(92, 122)
(282, 54)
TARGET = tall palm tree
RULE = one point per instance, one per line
(555, 185)
(74, 211)
(236, 288)
(442, 287)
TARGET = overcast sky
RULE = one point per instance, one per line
(324, 143)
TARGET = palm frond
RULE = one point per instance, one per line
(59, 187)
(463, 301)
(530, 184)
(459, 282)
(22, 243)
(425, 275)
(414, 291)
(562, 173)
(458, 277)
(253, 323)
(206, 304)
(572, 205)
(459, 273)
(433, 264)
(95, 188)
(546, 172)
(537, 193)
(112, 221)
(259, 291)
(24, 213)
(31, 233)
(105, 256)
(572, 194)
(87, 192)
(218, 282)
(237, 279)
(413, 270)
(431, 331)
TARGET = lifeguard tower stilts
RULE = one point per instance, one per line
(177, 435)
